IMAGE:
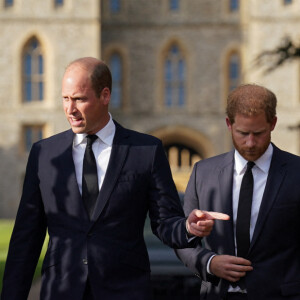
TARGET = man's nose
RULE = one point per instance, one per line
(251, 140)
(71, 107)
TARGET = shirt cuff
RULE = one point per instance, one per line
(208, 265)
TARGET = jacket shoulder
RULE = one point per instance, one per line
(56, 139)
(218, 161)
(134, 137)
(285, 157)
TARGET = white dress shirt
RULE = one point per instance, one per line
(101, 148)
(260, 174)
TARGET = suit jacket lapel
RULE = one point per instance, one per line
(64, 164)
(66, 159)
(225, 181)
(275, 178)
(116, 162)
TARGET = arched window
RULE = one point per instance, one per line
(115, 63)
(32, 134)
(175, 70)
(234, 5)
(58, 3)
(234, 71)
(115, 6)
(181, 157)
(174, 5)
(8, 3)
(33, 72)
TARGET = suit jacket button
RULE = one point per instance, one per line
(85, 261)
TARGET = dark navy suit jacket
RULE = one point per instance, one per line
(275, 246)
(109, 248)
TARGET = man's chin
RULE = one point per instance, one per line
(78, 130)
(251, 156)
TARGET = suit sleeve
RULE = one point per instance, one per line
(27, 237)
(196, 258)
(165, 210)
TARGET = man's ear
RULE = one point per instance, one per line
(273, 123)
(105, 95)
(228, 123)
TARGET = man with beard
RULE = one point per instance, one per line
(256, 255)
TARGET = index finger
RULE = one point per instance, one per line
(217, 215)
(241, 261)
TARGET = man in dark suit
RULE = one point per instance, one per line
(91, 188)
(254, 256)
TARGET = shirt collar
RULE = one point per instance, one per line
(263, 163)
(106, 134)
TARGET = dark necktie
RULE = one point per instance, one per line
(244, 212)
(90, 187)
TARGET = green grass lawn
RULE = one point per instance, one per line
(6, 227)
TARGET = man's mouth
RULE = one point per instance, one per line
(75, 121)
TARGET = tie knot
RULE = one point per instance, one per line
(250, 165)
(91, 139)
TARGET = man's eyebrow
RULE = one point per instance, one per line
(74, 96)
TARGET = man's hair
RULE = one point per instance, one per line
(101, 78)
(100, 74)
(249, 100)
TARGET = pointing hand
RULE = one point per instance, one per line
(200, 223)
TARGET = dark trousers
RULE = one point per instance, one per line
(236, 296)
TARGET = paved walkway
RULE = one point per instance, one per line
(35, 291)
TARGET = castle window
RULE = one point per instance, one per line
(174, 5)
(115, 6)
(115, 63)
(174, 78)
(234, 5)
(8, 3)
(58, 3)
(234, 71)
(31, 134)
(33, 72)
